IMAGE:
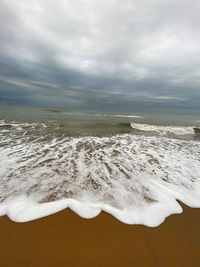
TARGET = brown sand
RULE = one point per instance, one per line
(66, 240)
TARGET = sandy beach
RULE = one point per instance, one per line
(65, 239)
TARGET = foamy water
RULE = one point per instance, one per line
(136, 178)
(121, 116)
(164, 130)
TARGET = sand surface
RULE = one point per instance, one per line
(66, 240)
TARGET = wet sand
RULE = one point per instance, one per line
(66, 240)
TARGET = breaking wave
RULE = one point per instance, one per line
(120, 116)
(163, 130)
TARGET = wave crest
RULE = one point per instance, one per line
(163, 130)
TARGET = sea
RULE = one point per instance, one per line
(137, 167)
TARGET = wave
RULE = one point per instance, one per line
(163, 130)
(91, 114)
(120, 116)
(65, 128)
(52, 110)
(135, 178)
(127, 116)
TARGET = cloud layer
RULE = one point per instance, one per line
(100, 54)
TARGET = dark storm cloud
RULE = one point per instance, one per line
(100, 54)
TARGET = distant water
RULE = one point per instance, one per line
(133, 166)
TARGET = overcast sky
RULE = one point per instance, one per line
(108, 54)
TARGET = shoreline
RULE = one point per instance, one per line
(65, 239)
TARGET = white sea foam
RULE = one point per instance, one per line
(126, 116)
(163, 130)
(135, 178)
(120, 116)
(23, 209)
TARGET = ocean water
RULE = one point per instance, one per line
(134, 166)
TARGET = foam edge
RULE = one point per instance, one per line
(24, 209)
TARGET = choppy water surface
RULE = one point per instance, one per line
(133, 166)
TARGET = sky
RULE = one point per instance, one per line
(137, 55)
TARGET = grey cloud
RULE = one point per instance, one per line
(82, 53)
